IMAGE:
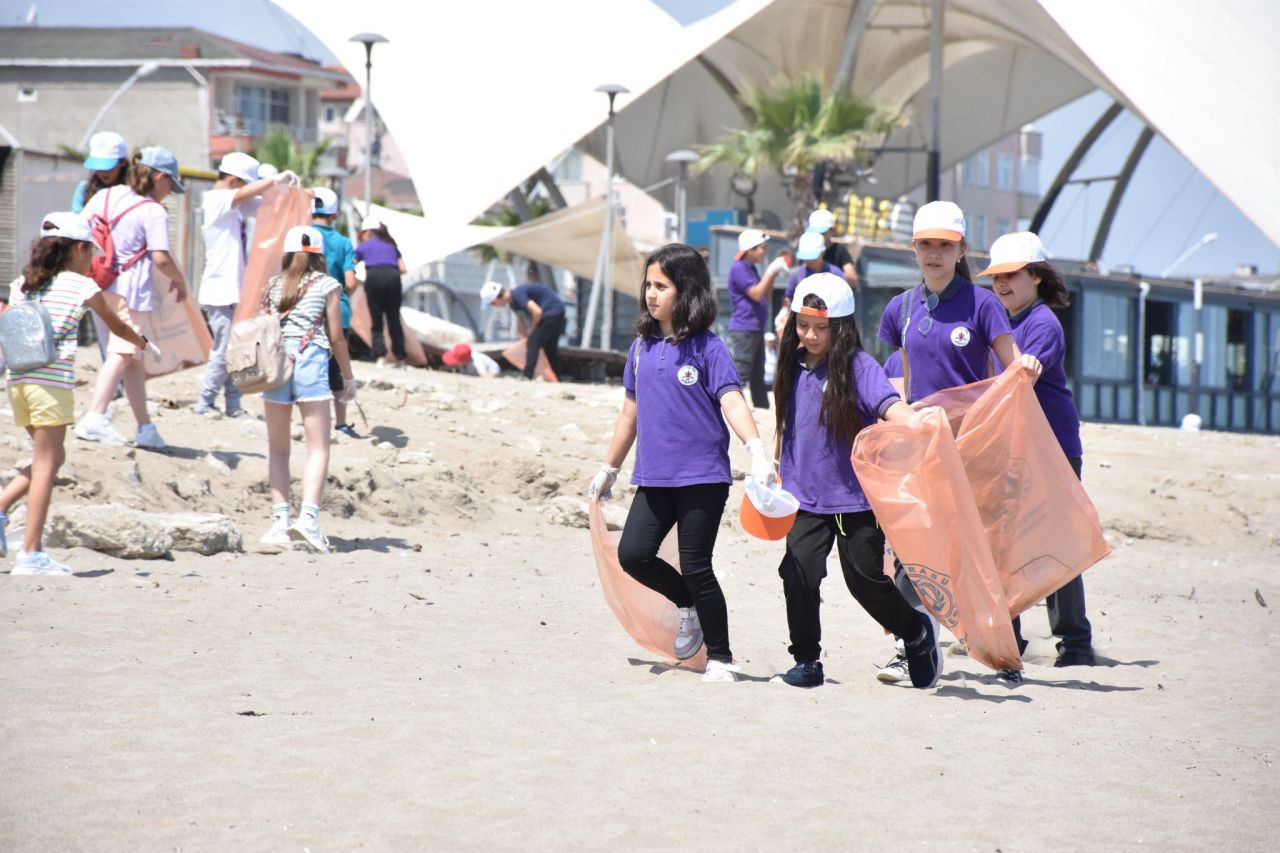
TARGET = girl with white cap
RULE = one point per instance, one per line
(140, 232)
(681, 386)
(306, 299)
(827, 389)
(1029, 288)
(42, 398)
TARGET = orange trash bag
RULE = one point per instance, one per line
(912, 475)
(649, 617)
(1042, 528)
(177, 328)
(517, 355)
(282, 208)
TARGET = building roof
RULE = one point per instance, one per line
(126, 46)
(346, 89)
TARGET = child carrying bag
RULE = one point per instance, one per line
(256, 355)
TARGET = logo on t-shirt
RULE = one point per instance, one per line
(687, 374)
(960, 336)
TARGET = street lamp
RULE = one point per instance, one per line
(143, 70)
(368, 40)
(604, 262)
(682, 158)
(1191, 250)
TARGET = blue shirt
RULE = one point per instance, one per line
(339, 257)
(541, 295)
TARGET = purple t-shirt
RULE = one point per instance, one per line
(814, 467)
(802, 271)
(893, 365)
(955, 351)
(748, 314)
(376, 252)
(681, 437)
(1037, 331)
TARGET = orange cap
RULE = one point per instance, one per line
(774, 516)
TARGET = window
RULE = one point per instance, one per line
(966, 172)
(984, 169)
(261, 107)
(980, 231)
(1107, 319)
(1238, 349)
(330, 114)
(1004, 172)
(1003, 227)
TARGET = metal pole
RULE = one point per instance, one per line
(142, 71)
(606, 329)
(1143, 290)
(933, 175)
(682, 202)
(368, 128)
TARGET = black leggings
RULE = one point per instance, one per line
(383, 290)
(695, 512)
(860, 542)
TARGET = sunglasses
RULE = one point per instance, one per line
(930, 303)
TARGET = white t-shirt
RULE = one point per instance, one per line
(223, 229)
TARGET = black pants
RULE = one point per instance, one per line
(695, 512)
(383, 290)
(1067, 618)
(860, 543)
(748, 357)
(546, 337)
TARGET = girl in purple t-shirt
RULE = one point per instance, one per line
(1029, 288)
(828, 388)
(681, 385)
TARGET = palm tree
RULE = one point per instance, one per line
(279, 148)
(796, 126)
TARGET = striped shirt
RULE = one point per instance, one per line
(310, 308)
(64, 298)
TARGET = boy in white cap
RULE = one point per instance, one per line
(750, 295)
(223, 227)
(822, 221)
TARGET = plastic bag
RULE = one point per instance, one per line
(282, 208)
(517, 356)
(649, 617)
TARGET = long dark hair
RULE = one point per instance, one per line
(96, 183)
(296, 266)
(142, 178)
(696, 308)
(49, 256)
(839, 398)
(1051, 290)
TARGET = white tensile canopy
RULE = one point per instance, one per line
(480, 95)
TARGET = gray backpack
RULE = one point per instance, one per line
(26, 336)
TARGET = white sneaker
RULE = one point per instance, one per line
(688, 635)
(38, 563)
(95, 427)
(278, 534)
(718, 670)
(148, 436)
(306, 531)
(895, 671)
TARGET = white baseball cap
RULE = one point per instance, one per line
(106, 149)
(1014, 251)
(833, 290)
(812, 245)
(941, 220)
(64, 223)
(370, 223)
(490, 291)
(304, 238)
(821, 221)
(266, 170)
(326, 201)
(749, 239)
(239, 165)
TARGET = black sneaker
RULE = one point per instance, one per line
(1009, 677)
(348, 430)
(1076, 657)
(924, 655)
(806, 673)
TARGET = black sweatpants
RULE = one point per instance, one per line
(546, 337)
(860, 543)
(695, 513)
(1067, 618)
(748, 356)
(383, 290)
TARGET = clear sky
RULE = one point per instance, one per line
(1168, 207)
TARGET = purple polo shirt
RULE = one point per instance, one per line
(893, 365)
(966, 322)
(681, 437)
(748, 315)
(802, 271)
(814, 467)
(376, 252)
(1038, 331)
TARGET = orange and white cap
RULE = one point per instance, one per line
(767, 512)
(304, 238)
(1014, 251)
(832, 289)
(941, 220)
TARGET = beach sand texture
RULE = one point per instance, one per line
(451, 678)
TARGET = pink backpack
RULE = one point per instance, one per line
(103, 267)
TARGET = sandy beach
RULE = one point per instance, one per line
(450, 677)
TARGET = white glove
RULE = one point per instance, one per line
(762, 470)
(288, 177)
(778, 265)
(153, 349)
(780, 321)
(602, 483)
(348, 391)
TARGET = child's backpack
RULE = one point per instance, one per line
(103, 267)
(26, 336)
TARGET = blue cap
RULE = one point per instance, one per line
(162, 160)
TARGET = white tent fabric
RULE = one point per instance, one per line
(475, 112)
(421, 242)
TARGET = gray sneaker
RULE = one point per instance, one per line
(688, 635)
